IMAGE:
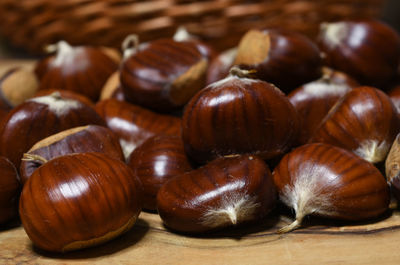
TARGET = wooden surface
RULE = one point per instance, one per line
(321, 242)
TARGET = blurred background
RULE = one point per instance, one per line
(27, 26)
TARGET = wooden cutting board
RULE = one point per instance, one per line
(148, 242)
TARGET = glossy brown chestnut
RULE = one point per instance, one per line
(163, 75)
(286, 59)
(220, 65)
(82, 69)
(238, 115)
(83, 139)
(314, 100)
(225, 192)
(324, 180)
(134, 124)
(367, 50)
(364, 121)
(79, 200)
(392, 167)
(156, 161)
(9, 191)
(38, 118)
(17, 85)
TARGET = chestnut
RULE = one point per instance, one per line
(79, 200)
(368, 50)
(394, 95)
(392, 167)
(220, 65)
(83, 139)
(226, 192)
(364, 121)
(9, 191)
(17, 85)
(82, 69)
(133, 124)
(284, 58)
(38, 118)
(163, 75)
(314, 100)
(112, 88)
(238, 115)
(156, 161)
(328, 181)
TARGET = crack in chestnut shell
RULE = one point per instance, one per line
(150, 77)
(213, 192)
(9, 191)
(337, 183)
(157, 160)
(238, 116)
(32, 121)
(85, 71)
(134, 124)
(368, 50)
(290, 59)
(91, 138)
(365, 117)
(79, 198)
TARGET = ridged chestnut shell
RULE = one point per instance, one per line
(163, 75)
(79, 200)
(134, 124)
(238, 115)
(159, 159)
(9, 190)
(38, 118)
(364, 121)
(368, 50)
(225, 192)
(283, 58)
(328, 181)
(83, 139)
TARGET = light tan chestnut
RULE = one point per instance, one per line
(392, 167)
(328, 181)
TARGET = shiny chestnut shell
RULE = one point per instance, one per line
(364, 121)
(9, 190)
(283, 58)
(134, 124)
(83, 139)
(38, 118)
(238, 115)
(314, 100)
(164, 74)
(157, 160)
(82, 69)
(368, 50)
(328, 181)
(79, 200)
(225, 192)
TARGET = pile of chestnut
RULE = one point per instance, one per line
(89, 139)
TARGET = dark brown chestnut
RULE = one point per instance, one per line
(284, 58)
(9, 191)
(79, 200)
(38, 118)
(164, 74)
(314, 100)
(364, 121)
(368, 50)
(83, 139)
(324, 180)
(134, 124)
(225, 192)
(156, 161)
(17, 85)
(82, 69)
(239, 115)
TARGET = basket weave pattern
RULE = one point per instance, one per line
(34, 23)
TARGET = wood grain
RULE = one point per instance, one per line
(148, 242)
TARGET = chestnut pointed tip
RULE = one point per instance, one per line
(289, 228)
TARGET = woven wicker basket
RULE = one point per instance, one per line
(32, 24)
